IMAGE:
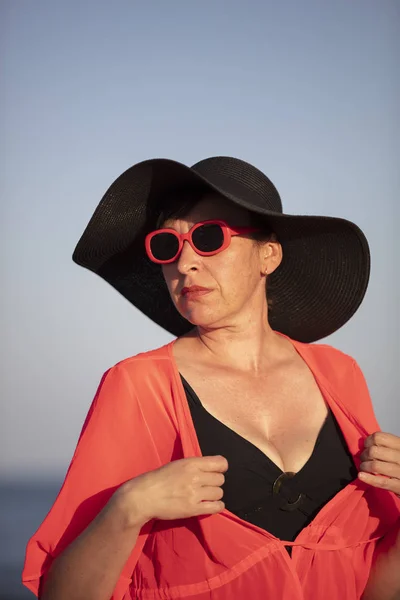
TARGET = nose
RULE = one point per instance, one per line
(188, 260)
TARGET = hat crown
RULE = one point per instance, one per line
(241, 179)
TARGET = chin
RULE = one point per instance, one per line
(202, 318)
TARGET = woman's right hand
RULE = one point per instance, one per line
(184, 488)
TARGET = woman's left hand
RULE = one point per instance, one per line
(380, 461)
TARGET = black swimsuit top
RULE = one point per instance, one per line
(258, 491)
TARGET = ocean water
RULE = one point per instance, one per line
(23, 507)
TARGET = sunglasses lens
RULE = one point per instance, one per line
(164, 246)
(208, 237)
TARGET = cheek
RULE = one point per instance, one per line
(170, 277)
(236, 272)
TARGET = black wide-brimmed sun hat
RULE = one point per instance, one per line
(318, 287)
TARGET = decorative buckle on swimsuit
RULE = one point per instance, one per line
(288, 506)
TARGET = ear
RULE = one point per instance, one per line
(271, 256)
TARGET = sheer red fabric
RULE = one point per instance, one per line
(140, 420)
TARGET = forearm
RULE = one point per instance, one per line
(384, 580)
(89, 567)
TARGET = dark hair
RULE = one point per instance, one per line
(178, 205)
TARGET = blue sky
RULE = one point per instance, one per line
(307, 91)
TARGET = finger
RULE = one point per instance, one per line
(210, 508)
(217, 464)
(379, 467)
(208, 493)
(213, 479)
(385, 483)
(381, 453)
(381, 438)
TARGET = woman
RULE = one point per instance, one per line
(241, 406)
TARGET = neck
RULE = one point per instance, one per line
(248, 345)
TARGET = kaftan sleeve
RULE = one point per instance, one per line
(361, 400)
(114, 446)
(364, 410)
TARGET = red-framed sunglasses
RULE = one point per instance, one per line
(163, 246)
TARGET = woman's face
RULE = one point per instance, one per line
(234, 279)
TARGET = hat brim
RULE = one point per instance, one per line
(318, 287)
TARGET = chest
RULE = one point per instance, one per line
(280, 413)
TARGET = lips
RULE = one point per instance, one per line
(194, 289)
